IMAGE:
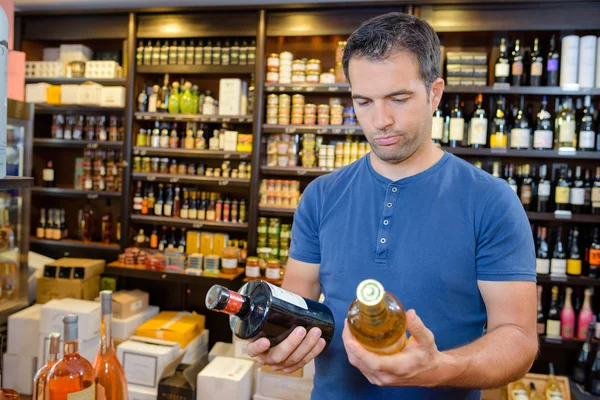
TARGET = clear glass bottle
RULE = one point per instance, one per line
(553, 390)
(565, 126)
(39, 380)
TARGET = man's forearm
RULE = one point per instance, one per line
(499, 357)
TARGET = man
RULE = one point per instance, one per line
(449, 240)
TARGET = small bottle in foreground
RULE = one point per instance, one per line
(261, 309)
(377, 319)
(39, 381)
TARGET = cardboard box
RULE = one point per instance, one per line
(260, 397)
(88, 324)
(23, 332)
(75, 52)
(123, 329)
(180, 327)
(244, 143)
(197, 348)
(221, 349)
(50, 288)
(230, 96)
(240, 348)
(36, 92)
(18, 373)
(180, 383)
(74, 268)
(53, 94)
(127, 303)
(231, 139)
(144, 360)
(69, 94)
(283, 386)
(112, 96)
(225, 378)
(87, 348)
(141, 393)
(89, 94)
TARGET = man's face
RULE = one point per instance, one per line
(392, 105)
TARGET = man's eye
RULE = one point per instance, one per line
(363, 103)
(400, 100)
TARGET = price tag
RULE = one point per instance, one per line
(93, 145)
(197, 225)
(159, 117)
(226, 156)
(227, 119)
(173, 180)
(244, 156)
(92, 196)
(223, 183)
(213, 119)
(558, 278)
(270, 88)
(563, 214)
(322, 131)
(142, 153)
(310, 88)
(333, 88)
(145, 117)
(296, 88)
(290, 130)
(151, 178)
(498, 150)
(282, 88)
(336, 131)
(301, 172)
(567, 151)
(351, 131)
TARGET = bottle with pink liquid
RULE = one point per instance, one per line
(567, 317)
(586, 315)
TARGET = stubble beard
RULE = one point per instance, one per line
(397, 153)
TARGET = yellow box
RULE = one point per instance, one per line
(244, 142)
(206, 243)
(53, 94)
(219, 243)
(180, 327)
(192, 242)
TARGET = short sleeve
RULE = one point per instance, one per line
(505, 248)
(305, 245)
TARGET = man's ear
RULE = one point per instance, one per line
(435, 95)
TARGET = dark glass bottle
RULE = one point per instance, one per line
(541, 321)
(542, 260)
(516, 65)
(577, 195)
(527, 189)
(457, 124)
(502, 66)
(552, 64)
(596, 192)
(537, 65)
(593, 381)
(574, 260)
(594, 254)
(261, 309)
(562, 192)
(553, 320)
(582, 363)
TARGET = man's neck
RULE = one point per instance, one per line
(426, 156)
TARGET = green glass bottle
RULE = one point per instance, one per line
(186, 99)
(195, 100)
(174, 99)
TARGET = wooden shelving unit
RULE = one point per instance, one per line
(190, 223)
(185, 153)
(218, 119)
(70, 192)
(75, 144)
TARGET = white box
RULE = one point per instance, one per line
(18, 373)
(144, 360)
(69, 94)
(89, 94)
(141, 393)
(225, 378)
(112, 96)
(124, 328)
(196, 349)
(75, 52)
(221, 349)
(88, 324)
(23, 332)
(230, 96)
(51, 53)
(260, 397)
(308, 372)
(87, 348)
(231, 141)
(150, 312)
(36, 92)
(283, 387)
(102, 69)
(241, 348)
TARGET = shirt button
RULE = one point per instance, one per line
(394, 189)
(389, 205)
(386, 222)
(382, 240)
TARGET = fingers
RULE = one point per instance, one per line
(418, 330)
(258, 347)
(358, 356)
(283, 350)
(316, 350)
(307, 345)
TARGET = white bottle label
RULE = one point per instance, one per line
(555, 396)
(577, 196)
(289, 297)
(595, 195)
(544, 189)
(229, 263)
(167, 208)
(553, 328)
(542, 266)
(158, 209)
(48, 175)
(479, 131)
(558, 266)
(542, 139)
(155, 141)
(164, 141)
(183, 213)
(567, 132)
(520, 394)
(85, 394)
(514, 187)
(437, 128)
(273, 273)
(586, 139)
(502, 70)
(68, 134)
(457, 129)
(519, 137)
(252, 272)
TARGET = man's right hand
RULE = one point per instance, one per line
(297, 350)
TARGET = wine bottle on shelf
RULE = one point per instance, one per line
(41, 228)
(520, 135)
(107, 224)
(593, 381)
(437, 127)
(110, 376)
(519, 391)
(562, 192)
(158, 205)
(567, 317)
(541, 322)
(261, 309)
(558, 263)
(552, 64)
(168, 206)
(594, 254)
(587, 136)
(478, 126)
(553, 319)
(574, 261)
(527, 189)
(498, 137)
(39, 380)
(181, 246)
(164, 242)
(138, 199)
(516, 66)
(49, 229)
(587, 197)
(583, 358)
(565, 126)
(577, 193)
(596, 193)
(537, 65)
(586, 315)
(72, 376)
(87, 222)
(48, 175)
(457, 124)
(154, 238)
(502, 66)
(57, 229)
(543, 135)
(553, 390)
(510, 179)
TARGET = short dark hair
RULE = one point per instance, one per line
(384, 35)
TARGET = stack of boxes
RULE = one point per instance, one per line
(88, 94)
(466, 68)
(76, 278)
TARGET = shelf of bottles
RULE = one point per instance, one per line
(78, 81)
(71, 143)
(343, 130)
(64, 109)
(209, 118)
(70, 192)
(72, 243)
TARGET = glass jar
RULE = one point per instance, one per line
(252, 267)
(272, 99)
(299, 77)
(313, 66)
(155, 164)
(284, 100)
(146, 167)
(164, 165)
(297, 100)
(299, 66)
(229, 259)
(323, 109)
(137, 164)
(273, 60)
(273, 270)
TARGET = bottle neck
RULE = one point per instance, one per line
(52, 357)
(586, 303)
(106, 340)
(373, 311)
(71, 347)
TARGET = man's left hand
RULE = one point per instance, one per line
(418, 364)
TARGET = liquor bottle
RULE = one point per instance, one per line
(594, 254)
(527, 189)
(168, 206)
(158, 205)
(553, 390)
(163, 243)
(203, 204)
(552, 64)
(586, 315)
(520, 135)
(156, 53)
(541, 323)
(185, 205)
(174, 137)
(596, 193)
(542, 261)
(141, 240)
(107, 224)
(143, 100)
(41, 228)
(181, 246)
(577, 193)
(48, 230)
(244, 53)
(587, 197)
(558, 264)
(189, 53)
(478, 126)
(537, 65)
(498, 137)
(48, 175)
(181, 53)
(110, 376)
(457, 124)
(553, 319)
(154, 238)
(39, 380)
(235, 53)
(587, 136)
(173, 53)
(567, 317)
(544, 189)
(148, 53)
(502, 66)
(534, 394)
(173, 243)
(543, 135)
(510, 179)
(216, 53)
(225, 53)
(565, 126)
(151, 199)
(164, 53)
(516, 65)
(138, 199)
(211, 208)
(437, 127)
(144, 210)
(174, 99)
(583, 358)
(57, 228)
(193, 211)
(139, 54)
(574, 261)
(207, 53)
(72, 376)
(562, 192)
(261, 309)
(164, 95)
(177, 203)
(518, 391)
(88, 220)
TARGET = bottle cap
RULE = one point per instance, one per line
(370, 292)
(70, 321)
(106, 301)
(54, 343)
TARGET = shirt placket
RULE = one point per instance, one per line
(386, 220)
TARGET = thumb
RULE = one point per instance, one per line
(418, 331)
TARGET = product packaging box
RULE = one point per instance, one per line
(180, 327)
(23, 331)
(225, 378)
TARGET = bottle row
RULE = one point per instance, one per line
(172, 166)
(52, 226)
(273, 241)
(285, 110)
(80, 127)
(279, 193)
(197, 52)
(566, 319)
(188, 203)
(518, 130)
(170, 136)
(586, 371)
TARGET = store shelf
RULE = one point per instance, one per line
(237, 119)
(68, 192)
(78, 81)
(15, 182)
(574, 218)
(316, 129)
(195, 69)
(525, 90)
(185, 153)
(560, 343)
(276, 211)
(191, 179)
(307, 88)
(569, 280)
(75, 244)
(277, 282)
(532, 154)
(190, 223)
(295, 171)
(123, 270)
(67, 144)
(52, 109)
